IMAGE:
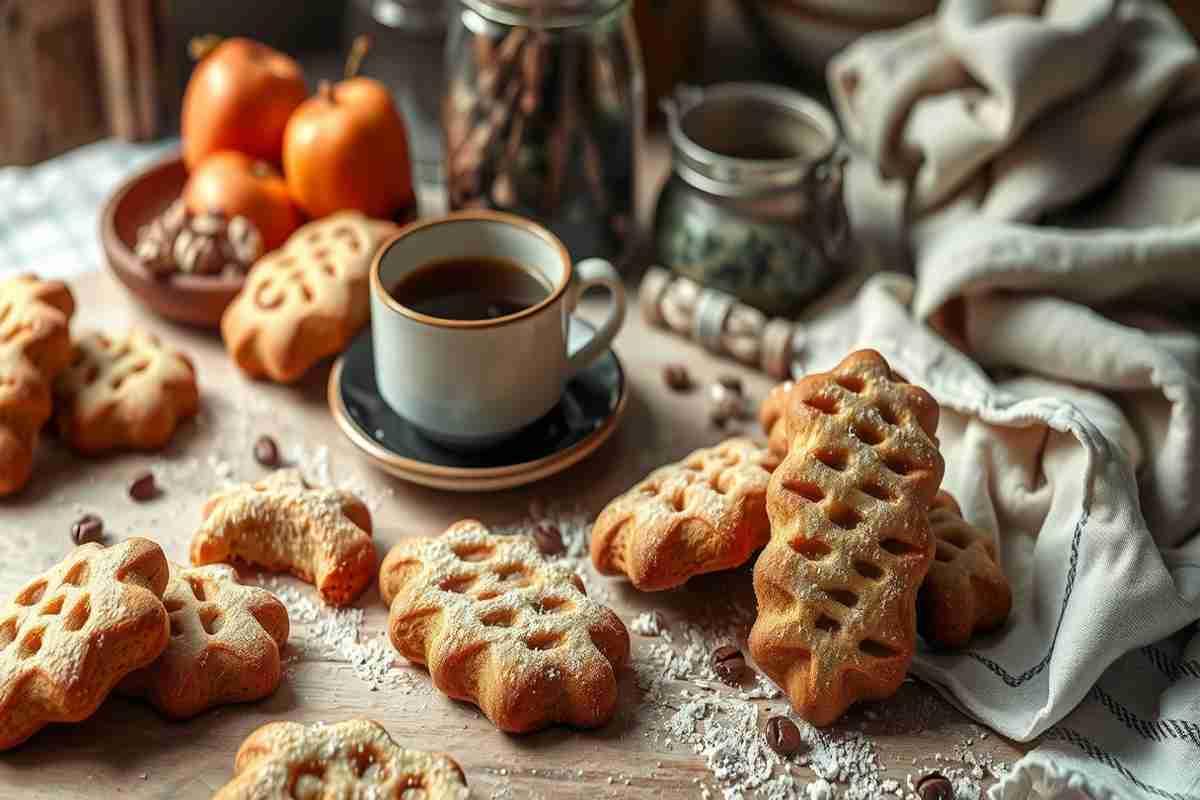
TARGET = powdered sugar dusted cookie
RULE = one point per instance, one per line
(501, 627)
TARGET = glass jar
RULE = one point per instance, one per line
(754, 205)
(543, 116)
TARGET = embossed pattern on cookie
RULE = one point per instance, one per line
(501, 627)
(71, 634)
(354, 760)
(282, 524)
(126, 393)
(35, 345)
(965, 591)
(304, 301)
(703, 514)
(850, 540)
(224, 646)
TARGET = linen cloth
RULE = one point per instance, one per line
(1035, 166)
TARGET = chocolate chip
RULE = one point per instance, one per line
(728, 663)
(677, 378)
(548, 539)
(88, 528)
(731, 382)
(935, 786)
(783, 736)
(266, 451)
(144, 487)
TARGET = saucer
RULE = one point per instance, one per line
(590, 410)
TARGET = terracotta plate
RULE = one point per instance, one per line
(193, 299)
(591, 408)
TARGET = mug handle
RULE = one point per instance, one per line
(589, 273)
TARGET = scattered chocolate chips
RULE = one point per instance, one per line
(731, 382)
(266, 451)
(677, 378)
(88, 528)
(728, 663)
(144, 487)
(935, 786)
(548, 539)
(783, 736)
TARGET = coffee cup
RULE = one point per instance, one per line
(467, 351)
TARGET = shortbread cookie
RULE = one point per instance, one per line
(501, 627)
(705, 513)
(304, 301)
(352, 760)
(35, 345)
(850, 541)
(224, 648)
(75, 631)
(127, 393)
(282, 524)
(965, 591)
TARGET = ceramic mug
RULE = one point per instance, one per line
(472, 383)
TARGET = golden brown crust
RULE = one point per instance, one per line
(771, 413)
(128, 393)
(304, 301)
(850, 540)
(352, 759)
(281, 524)
(224, 646)
(703, 514)
(35, 346)
(501, 627)
(965, 591)
(71, 634)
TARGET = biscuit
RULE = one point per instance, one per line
(75, 631)
(304, 301)
(705, 513)
(224, 647)
(354, 760)
(129, 393)
(322, 536)
(965, 591)
(499, 626)
(850, 540)
(35, 345)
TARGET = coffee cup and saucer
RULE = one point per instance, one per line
(476, 374)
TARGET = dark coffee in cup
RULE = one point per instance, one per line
(475, 288)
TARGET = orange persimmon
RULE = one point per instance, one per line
(234, 184)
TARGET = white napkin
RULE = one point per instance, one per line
(1039, 164)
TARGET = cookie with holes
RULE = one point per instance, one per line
(124, 393)
(703, 514)
(74, 632)
(966, 591)
(35, 346)
(850, 540)
(282, 524)
(224, 647)
(501, 627)
(352, 759)
(304, 301)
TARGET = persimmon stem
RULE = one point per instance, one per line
(358, 51)
(200, 46)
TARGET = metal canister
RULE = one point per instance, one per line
(754, 205)
(543, 115)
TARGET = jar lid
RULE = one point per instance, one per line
(544, 13)
(739, 139)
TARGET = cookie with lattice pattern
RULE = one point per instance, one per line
(966, 591)
(850, 541)
(224, 647)
(35, 346)
(124, 393)
(351, 760)
(71, 634)
(320, 535)
(705, 513)
(304, 301)
(501, 627)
